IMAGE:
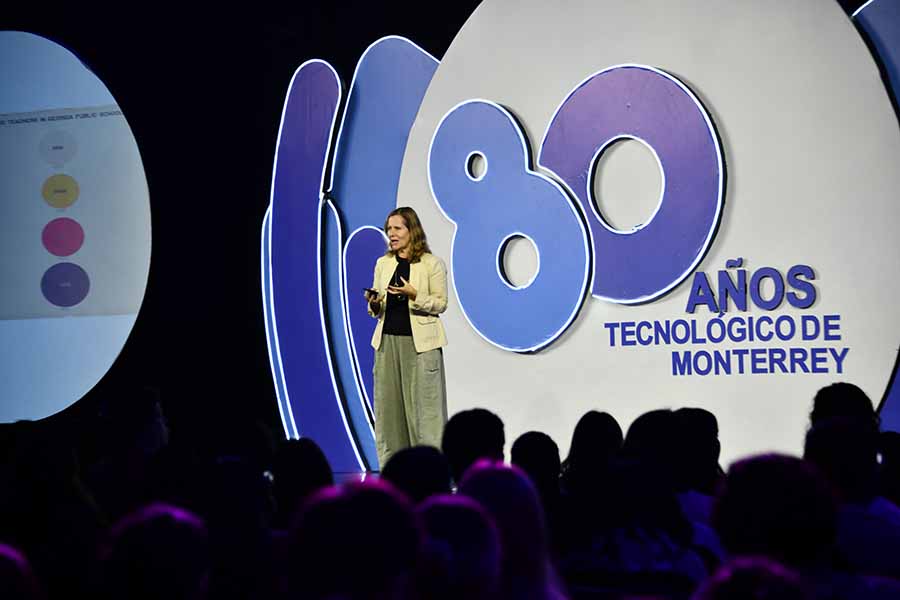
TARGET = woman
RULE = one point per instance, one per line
(408, 293)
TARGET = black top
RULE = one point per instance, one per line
(396, 316)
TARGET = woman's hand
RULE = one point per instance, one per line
(406, 289)
(372, 299)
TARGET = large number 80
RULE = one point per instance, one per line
(576, 247)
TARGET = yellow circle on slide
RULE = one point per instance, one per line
(60, 191)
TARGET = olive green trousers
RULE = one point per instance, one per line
(410, 396)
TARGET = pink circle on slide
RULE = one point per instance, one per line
(63, 236)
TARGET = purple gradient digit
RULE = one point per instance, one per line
(635, 101)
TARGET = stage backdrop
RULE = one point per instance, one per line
(641, 204)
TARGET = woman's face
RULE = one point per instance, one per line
(398, 235)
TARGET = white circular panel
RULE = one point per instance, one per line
(811, 145)
(74, 228)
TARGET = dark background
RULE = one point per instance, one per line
(203, 93)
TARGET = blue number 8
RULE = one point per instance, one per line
(509, 199)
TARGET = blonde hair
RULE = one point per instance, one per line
(418, 243)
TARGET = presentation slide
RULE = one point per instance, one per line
(74, 228)
(71, 230)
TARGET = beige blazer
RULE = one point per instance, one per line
(429, 277)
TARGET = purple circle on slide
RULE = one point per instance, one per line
(65, 284)
(63, 236)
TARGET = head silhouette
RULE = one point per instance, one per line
(651, 437)
(596, 442)
(368, 525)
(697, 449)
(159, 552)
(889, 480)
(538, 455)
(846, 451)
(753, 578)
(652, 443)
(776, 506)
(17, 580)
(419, 472)
(470, 435)
(461, 557)
(299, 470)
(512, 501)
(597, 437)
(842, 400)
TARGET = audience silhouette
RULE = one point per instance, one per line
(461, 556)
(596, 442)
(299, 470)
(17, 580)
(470, 435)
(510, 498)
(419, 472)
(697, 470)
(842, 400)
(157, 553)
(868, 526)
(538, 456)
(889, 476)
(359, 540)
(783, 508)
(754, 578)
(650, 514)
